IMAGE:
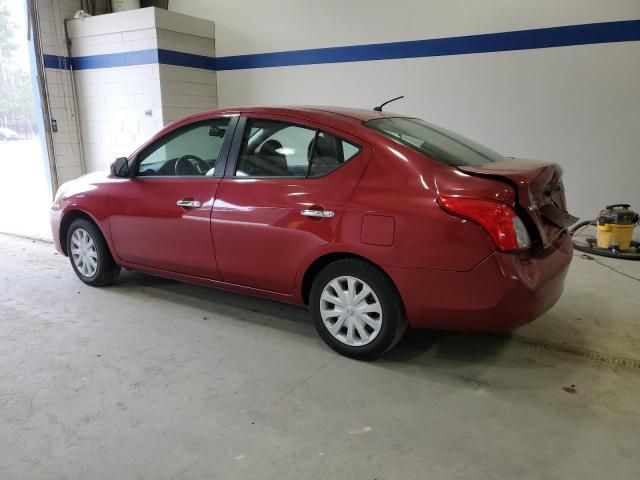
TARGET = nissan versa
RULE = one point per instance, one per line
(371, 219)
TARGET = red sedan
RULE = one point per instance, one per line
(373, 220)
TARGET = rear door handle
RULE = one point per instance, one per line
(317, 213)
(188, 203)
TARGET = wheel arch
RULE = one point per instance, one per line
(68, 218)
(322, 261)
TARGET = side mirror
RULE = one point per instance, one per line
(120, 167)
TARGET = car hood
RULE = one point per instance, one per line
(86, 182)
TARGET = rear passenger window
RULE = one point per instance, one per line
(349, 150)
(328, 153)
(279, 149)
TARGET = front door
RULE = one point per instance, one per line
(161, 216)
(282, 197)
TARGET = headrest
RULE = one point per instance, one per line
(325, 146)
(270, 148)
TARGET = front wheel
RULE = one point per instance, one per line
(89, 254)
(356, 309)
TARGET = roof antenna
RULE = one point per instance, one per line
(379, 107)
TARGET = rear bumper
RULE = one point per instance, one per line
(504, 291)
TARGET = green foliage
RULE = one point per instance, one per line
(17, 106)
(7, 45)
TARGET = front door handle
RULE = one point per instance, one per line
(317, 213)
(189, 203)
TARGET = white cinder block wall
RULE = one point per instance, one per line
(186, 90)
(185, 93)
(113, 100)
(125, 94)
(51, 14)
(577, 105)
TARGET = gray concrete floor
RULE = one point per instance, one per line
(153, 379)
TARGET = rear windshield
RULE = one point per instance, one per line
(435, 142)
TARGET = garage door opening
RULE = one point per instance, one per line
(25, 178)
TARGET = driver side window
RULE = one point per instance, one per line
(187, 152)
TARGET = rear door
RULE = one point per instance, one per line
(285, 187)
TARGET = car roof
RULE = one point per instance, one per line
(313, 113)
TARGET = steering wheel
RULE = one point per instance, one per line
(191, 165)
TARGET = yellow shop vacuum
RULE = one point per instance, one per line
(615, 226)
(614, 233)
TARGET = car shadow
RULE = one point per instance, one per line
(218, 302)
(431, 351)
(471, 345)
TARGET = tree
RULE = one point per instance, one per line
(7, 31)
(17, 106)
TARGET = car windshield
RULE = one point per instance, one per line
(435, 142)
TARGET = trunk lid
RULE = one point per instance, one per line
(540, 193)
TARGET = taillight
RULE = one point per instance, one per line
(499, 220)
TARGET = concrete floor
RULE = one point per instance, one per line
(153, 379)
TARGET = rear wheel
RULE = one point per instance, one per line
(89, 254)
(356, 309)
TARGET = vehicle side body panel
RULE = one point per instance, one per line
(148, 228)
(260, 234)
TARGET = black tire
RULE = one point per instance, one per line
(107, 270)
(393, 317)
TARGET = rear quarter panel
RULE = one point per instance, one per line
(424, 236)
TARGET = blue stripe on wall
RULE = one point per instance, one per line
(143, 57)
(54, 61)
(112, 60)
(622, 31)
(168, 57)
(587, 34)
